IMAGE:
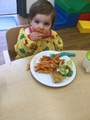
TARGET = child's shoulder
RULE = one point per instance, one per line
(53, 32)
(25, 30)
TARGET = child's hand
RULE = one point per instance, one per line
(36, 36)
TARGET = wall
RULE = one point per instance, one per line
(29, 3)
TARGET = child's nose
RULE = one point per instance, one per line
(41, 26)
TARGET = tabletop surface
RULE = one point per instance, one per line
(23, 98)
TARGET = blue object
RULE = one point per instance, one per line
(64, 54)
(64, 20)
(7, 22)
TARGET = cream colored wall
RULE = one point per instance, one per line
(29, 3)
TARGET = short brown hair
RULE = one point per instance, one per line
(42, 7)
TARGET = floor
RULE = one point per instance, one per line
(72, 38)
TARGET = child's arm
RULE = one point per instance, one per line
(58, 43)
(24, 46)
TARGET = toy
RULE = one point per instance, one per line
(83, 26)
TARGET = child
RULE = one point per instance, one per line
(38, 36)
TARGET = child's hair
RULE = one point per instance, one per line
(42, 7)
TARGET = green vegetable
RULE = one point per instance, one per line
(70, 73)
(69, 63)
(64, 70)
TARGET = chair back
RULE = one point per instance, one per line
(11, 39)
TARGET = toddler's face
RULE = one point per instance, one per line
(41, 23)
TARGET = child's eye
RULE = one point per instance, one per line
(36, 21)
(46, 24)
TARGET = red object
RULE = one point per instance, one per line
(84, 16)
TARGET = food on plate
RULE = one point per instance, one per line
(48, 64)
(57, 77)
(27, 67)
(66, 68)
(58, 68)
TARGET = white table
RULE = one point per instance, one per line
(23, 98)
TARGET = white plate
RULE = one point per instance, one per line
(46, 79)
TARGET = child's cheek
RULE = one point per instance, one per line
(34, 29)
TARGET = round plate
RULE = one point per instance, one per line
(46, 79)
